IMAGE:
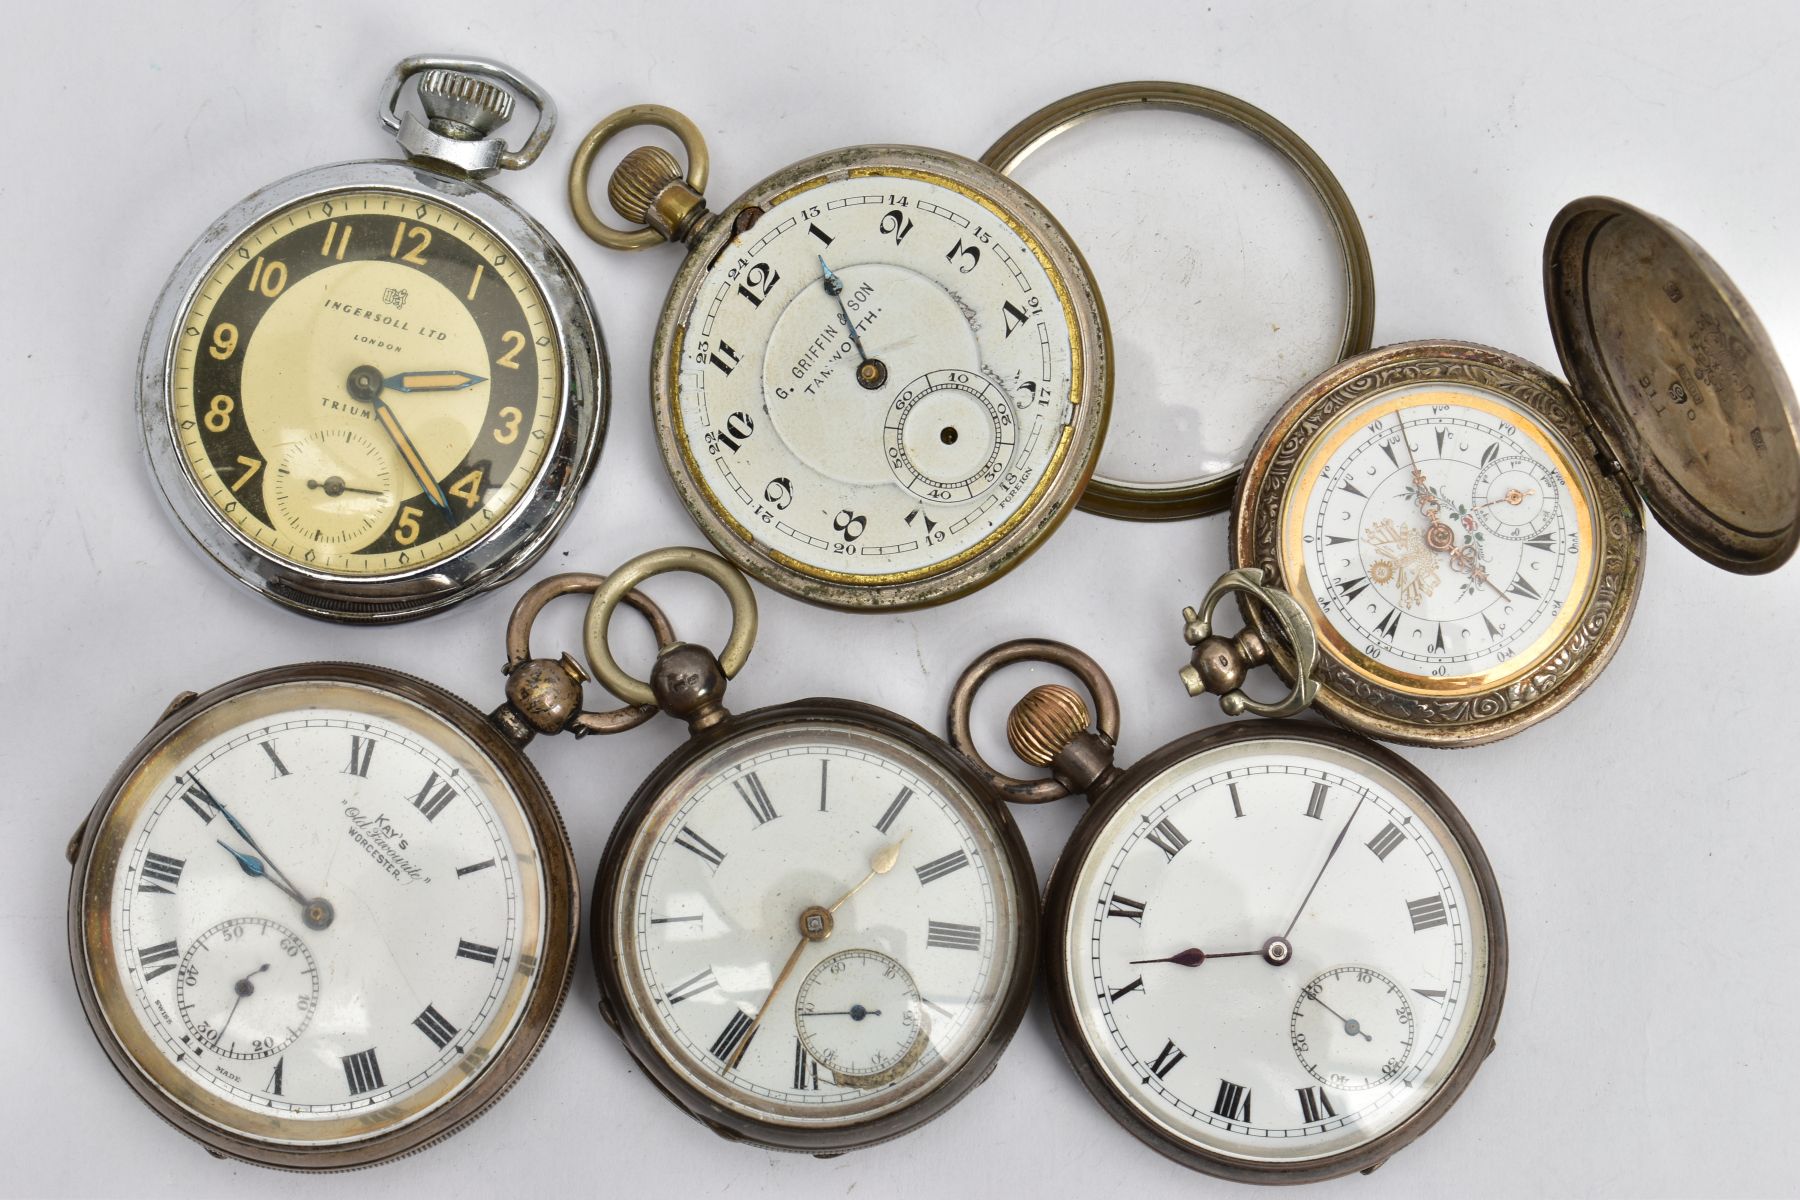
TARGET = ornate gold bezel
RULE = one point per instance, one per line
(1351, 695)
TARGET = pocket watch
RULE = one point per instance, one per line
(881, 377)
(325, 915)
(375, 388)
(1464, 533)
(812, 927)
(1276, 952)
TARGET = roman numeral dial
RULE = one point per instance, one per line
(816, 916)
(329, 905)
(1268, 947)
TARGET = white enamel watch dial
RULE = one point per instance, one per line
(815, 925)
(1441, 540)
(315, 914)
(881, 379)
(1276, 952)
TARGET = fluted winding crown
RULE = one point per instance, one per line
(1045, 720)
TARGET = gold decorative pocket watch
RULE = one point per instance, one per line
(881, 377)
(1440, 543)
(325, 915)
(813, 925)
(375, 388)
(1275, 951)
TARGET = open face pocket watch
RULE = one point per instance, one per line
(1276, 952)
(325, 915)
(813, 926)
(375, 388)
(1458, 536)
(881, 377)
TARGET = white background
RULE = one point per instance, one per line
(1643, 838)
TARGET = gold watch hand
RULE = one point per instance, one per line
(365, 384)
(815, 931)
(431, 381)
(881, 864)
(415, 462)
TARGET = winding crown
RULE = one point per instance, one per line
(467, 105)
(1045, 719)
(639, 179)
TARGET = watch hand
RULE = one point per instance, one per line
(242, 987)
(855, 1013)
(880, 863)
(873, 372)
(415, 462)
(335, 486)
(787, 969)
(1330, 854)
(1193, 956)
(1352, 1026)
(431, 381)
(365, 384)
(253, 867)
(1513, 496)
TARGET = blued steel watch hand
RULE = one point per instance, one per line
(431, 381)
(872, 372)
(253, 867)
(1329, 855)
(834, 287)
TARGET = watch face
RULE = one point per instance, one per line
(1440, 538)
(815, 925)
(365, 383)
(882, 378)
(315, 914)
(1276, 951)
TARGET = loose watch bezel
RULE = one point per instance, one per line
(1011, 1001)
(554, 972)
(515, 541)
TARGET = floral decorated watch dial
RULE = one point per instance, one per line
(1276, 951)
(1440, 540)
(815, 925)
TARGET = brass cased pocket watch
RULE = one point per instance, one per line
(375, 388)
(882, 374)
(1458, 536)
(813, 926)
(1275, 951)
(325, 915)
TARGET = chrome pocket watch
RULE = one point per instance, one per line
(1276, 952)
(1440, 543)
(375, 388)
(325, 915)
(881, 377)
(813, 927)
